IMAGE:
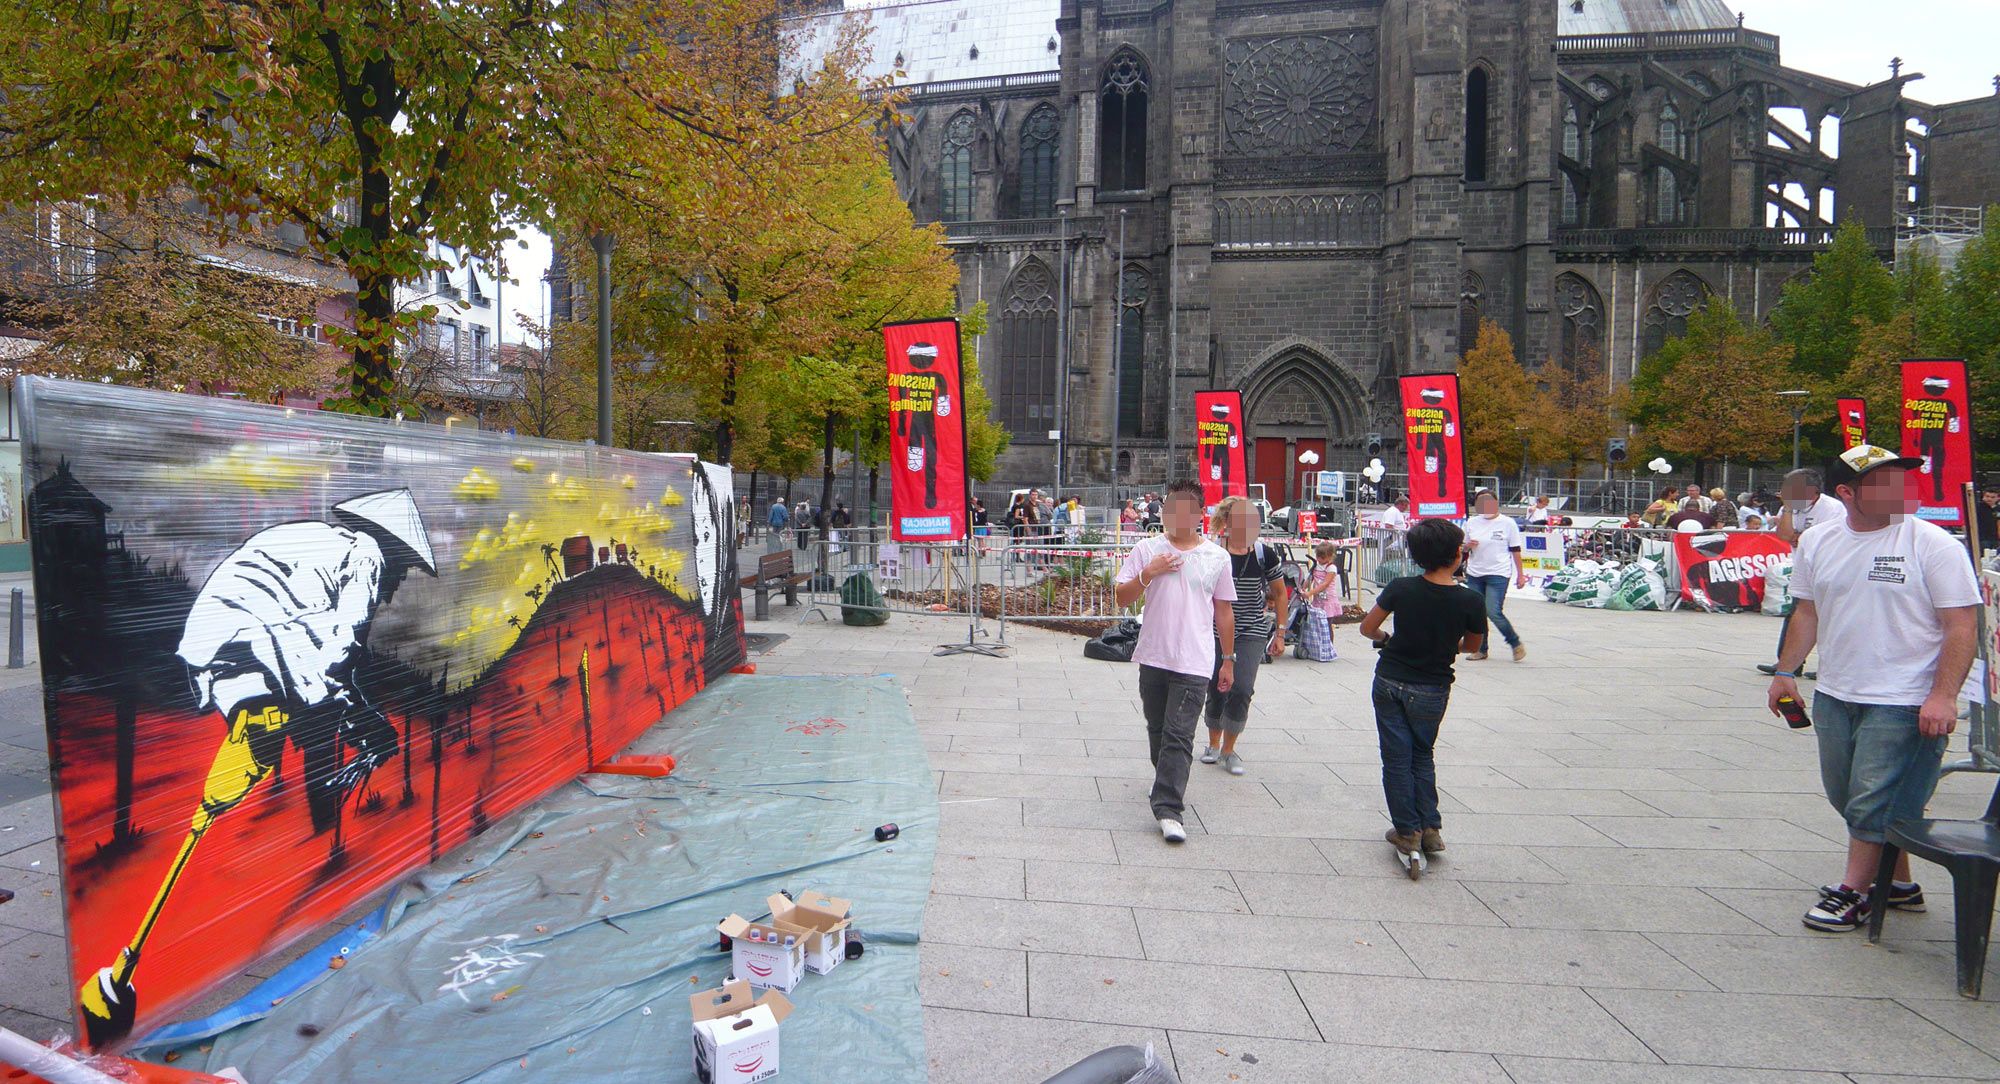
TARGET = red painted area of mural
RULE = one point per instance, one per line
(261, 877)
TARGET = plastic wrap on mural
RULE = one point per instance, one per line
(288, 657)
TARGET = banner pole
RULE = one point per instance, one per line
(972, 646)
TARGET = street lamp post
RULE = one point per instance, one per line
(1523, 431)
(602, 243)
(1118, 356)
(1797, 398)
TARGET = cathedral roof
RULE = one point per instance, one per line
(937, 38)
(1638, 16)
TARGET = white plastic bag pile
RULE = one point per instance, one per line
(1607, 585)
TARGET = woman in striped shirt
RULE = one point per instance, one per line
(1258, 572)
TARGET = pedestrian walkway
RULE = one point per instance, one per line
(1632, 841)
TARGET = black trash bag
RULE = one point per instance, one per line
(1124, 632)
(861, 603)
(1114, 644)
(821, 582)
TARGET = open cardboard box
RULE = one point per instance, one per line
(765, 961)
(822, 920)
(735, 1038)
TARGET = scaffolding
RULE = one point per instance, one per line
(1937, 233)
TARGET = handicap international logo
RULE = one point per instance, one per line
(761, 971)
(937, 525)
(750, 1066)
(1437, 508)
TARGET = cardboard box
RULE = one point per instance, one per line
(765, 962)
(735, 1038)
(823, 921)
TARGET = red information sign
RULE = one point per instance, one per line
(928, 493)
(1308, 524)
(1852, 421)
(1723, 571)
(1937, 427)
(1435, 445)
(1218, 445)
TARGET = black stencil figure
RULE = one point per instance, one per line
(1939, 416)
(919, 399)
(1437, 459)
(1724, 596)
(1218, 452)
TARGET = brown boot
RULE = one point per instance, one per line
(1408, 843)
(1433, 841)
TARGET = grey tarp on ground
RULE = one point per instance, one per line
(781, 783)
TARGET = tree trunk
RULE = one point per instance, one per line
(874, 474)
(374, 383)
(751, 503)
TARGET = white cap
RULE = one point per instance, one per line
(393, 511)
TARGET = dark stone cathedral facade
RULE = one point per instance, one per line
(1303, 199)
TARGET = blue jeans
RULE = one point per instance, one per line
(1406, 721)
(1876, 767)
(1494, 589)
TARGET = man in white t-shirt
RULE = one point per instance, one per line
(1890, 600)
(1806, 505)
(1492, 564)
(1395, 525)
(1185, 582)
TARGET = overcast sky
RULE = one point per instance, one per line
(1952, 42)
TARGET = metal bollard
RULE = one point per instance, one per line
(16, 650)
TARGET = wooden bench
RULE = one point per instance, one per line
(774, 571)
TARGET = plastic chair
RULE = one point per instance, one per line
(1970, 851)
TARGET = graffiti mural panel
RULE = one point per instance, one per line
(290, 656)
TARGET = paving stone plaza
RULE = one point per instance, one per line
(1632, 841)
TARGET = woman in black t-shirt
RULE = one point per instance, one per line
(1435, 620)
(1259, 574)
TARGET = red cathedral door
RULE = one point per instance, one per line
(1269, 469)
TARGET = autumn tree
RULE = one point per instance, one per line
(1572, 415)
(133, 295)
(1711, 394)
(1497, 402)
(547, 392)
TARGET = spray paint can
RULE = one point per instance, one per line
(887, 832)
(1794, 713)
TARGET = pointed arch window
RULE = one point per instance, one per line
(1121, 125)
(1028, 332)
(1038, 162)
(1674, 300)
(1475, 124)
(1673, 138)
(955, 170)
(1132, 351)
(1572, 133)
(1572, 202)
(1666, 197)
(1582, 313)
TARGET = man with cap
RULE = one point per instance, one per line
(1890, 600)
(272, 643)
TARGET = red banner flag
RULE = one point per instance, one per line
(1937, 427)
(1723, 571)
(1852, 422)
(1435, 443)
(1218, 445)
(929, 492)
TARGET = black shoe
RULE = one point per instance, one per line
(1839, 910)
(1909, 899)
(1767, 668)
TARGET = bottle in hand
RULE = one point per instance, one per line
(1794, 712)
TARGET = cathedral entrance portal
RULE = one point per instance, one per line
(1295, 402)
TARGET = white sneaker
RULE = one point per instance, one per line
(1171, 830)
(1209, 753)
